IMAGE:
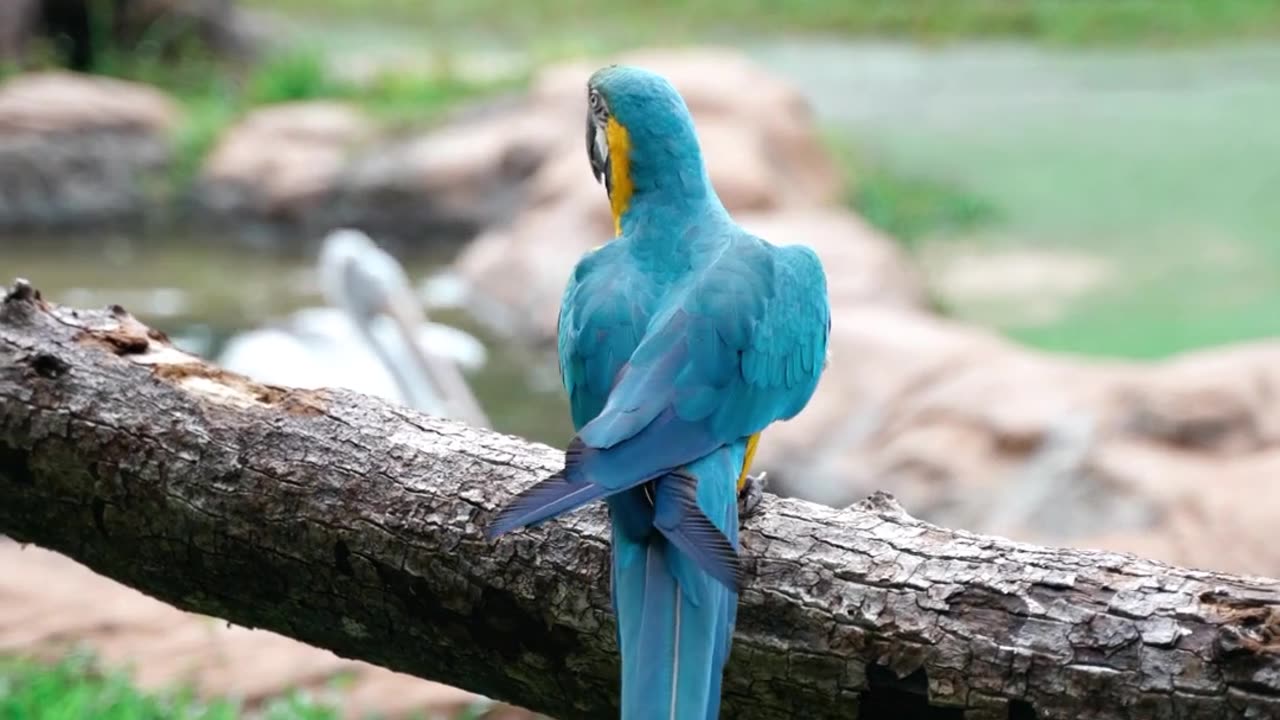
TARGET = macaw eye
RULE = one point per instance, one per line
(597, 105)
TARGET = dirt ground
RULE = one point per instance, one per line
(50, 605)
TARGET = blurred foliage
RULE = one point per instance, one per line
(391, 95)
(205, 120)
(76, 688)
(1059, 21)
(909, 207)
(215, 93)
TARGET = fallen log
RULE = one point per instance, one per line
(355, 525)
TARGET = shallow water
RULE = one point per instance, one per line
(203, 291)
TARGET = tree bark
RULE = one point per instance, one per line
(355, 525)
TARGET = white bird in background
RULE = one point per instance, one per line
(375, 340)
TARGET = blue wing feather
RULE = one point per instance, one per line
(733, 365)
(591, 473)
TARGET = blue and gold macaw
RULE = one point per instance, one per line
(680, 341)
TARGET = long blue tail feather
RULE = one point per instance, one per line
(675, 621)
(675, 565)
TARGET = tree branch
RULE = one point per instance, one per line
(355, 525)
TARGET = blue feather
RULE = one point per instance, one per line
(675, 622)
(592, 473)
(682, 521)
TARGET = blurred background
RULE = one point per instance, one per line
(1050, 228)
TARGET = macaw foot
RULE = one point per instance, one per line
(751, 494)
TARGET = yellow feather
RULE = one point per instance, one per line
(619, 171)
(752, 442)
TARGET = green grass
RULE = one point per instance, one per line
(908, 207)
(1057, 21)
(77, 689)
(392, 96)
(1149, 164)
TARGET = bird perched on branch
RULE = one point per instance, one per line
(680, 341)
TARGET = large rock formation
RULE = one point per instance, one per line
(280, 164)
(1173, 460)
(77, 151)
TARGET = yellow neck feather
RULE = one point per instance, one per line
(619, 171)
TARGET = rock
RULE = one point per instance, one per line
(303, 169)
(282, 163)
(77, 150)
(515, 276)
(969, 430)
(441, 188)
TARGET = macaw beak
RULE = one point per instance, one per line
(598, 153)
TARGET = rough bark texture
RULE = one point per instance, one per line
(355, 525)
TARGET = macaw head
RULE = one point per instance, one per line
(641, 140)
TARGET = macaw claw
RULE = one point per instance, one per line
(751, 494)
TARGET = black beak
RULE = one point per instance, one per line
(599, 159)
